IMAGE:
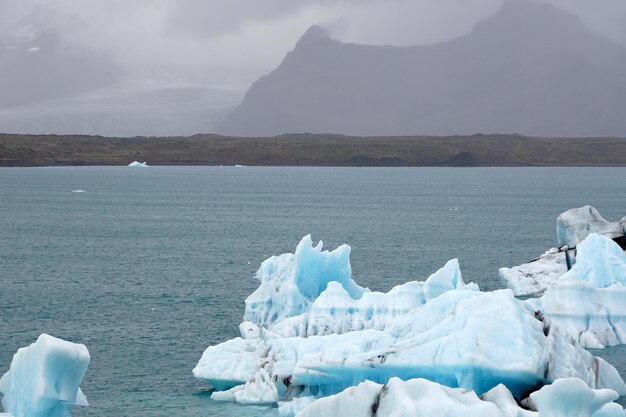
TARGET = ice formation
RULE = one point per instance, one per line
(588, 303)
(569, 397)
(44, 377)
(534, 277)
(572, 227)
(309, 329)
(137, 164)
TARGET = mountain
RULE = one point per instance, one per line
(531, 68)
(36, 65)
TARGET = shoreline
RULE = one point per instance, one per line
(323, 150)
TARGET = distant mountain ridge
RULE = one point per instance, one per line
(531, 69)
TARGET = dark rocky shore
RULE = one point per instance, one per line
(312, 150)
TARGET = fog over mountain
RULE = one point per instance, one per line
(177, 67)
(531, 69)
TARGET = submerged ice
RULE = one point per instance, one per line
(309, 329)
(44, 379)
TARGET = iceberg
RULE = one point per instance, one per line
(44, 378)
(534, 277)
(312, 293)
(569, 397)
(572, 227)
(137, 164)
(588, 303)
(309, 329)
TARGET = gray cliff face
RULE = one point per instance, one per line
(531, 69)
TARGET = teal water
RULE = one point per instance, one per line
(150, 266)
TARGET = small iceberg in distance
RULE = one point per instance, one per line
(79, 191)
(137, 164)
(44, 378)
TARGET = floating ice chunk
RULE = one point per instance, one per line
(533, 278)
(572, 397)
(34, 49)
(79, 191)
(573, 226)
(311, 292)
(455, 339)
(43, 379)
(588, 303)
(136, 164)
(313, 330)
(420, 397)
(291, 282)
(335, 311)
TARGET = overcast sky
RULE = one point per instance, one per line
(126, 67)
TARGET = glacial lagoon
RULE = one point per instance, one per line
(148, 267)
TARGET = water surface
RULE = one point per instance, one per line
(150, 266)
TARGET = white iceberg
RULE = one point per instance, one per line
(309, 329)
(572, 227)
(534, 277)
(569, 397)
(588, 303)
(44, 378)
(137, 164)
(311, 292)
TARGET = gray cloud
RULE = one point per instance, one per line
(212, 46)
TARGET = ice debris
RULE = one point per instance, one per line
(588, 303)
(44, 378)
(569, 397)
(572, 227)
(137, 164)
(309, 329)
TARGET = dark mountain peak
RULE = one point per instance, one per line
(313, 35)
(531, 68)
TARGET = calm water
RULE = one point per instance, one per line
(150, 266)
